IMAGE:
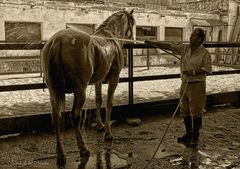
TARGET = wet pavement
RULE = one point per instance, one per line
(105, 159)
(133, 147)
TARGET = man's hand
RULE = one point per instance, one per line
(189, 73)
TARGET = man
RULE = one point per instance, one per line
(194, 65)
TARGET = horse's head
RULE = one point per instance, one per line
(120, 24)
(128, 24)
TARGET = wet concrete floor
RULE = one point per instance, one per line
(100, 160)
(132, 147)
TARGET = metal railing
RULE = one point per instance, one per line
(130, 79)
(34, 121)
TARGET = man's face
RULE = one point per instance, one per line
(194, 39)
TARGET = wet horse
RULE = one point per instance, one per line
(72, 59)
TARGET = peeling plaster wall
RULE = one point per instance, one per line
(53, 16)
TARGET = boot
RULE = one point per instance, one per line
(197, 124)
(186, 139)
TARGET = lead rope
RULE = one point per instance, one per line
(165, 132)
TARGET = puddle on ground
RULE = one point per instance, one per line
(163, 154)
(100, 160)
(192, 158)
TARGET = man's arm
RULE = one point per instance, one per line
(160, 45)
(207, 63)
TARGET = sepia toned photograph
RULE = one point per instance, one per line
(120, 84)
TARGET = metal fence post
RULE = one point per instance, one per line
(40, 59)
(148, 59)
(130, 74)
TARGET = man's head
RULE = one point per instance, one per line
(197, 37)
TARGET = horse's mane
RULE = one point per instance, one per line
(111, 18)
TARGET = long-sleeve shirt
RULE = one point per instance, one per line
(200, 59)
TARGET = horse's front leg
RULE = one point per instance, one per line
(98, 99)
(112, 84)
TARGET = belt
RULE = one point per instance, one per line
(194, 82)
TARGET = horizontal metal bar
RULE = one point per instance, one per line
(122, 80)
(225, 72)
(22, 45)
(207, 45)
(221, 45)
(15, 73)
(39, 45)
(22, 87)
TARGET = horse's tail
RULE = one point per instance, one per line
(54, 75)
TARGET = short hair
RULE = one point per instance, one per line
(201, 34)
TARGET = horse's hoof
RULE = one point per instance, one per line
(108, 137)
(84, 153)
(61, 161)
(100, 128)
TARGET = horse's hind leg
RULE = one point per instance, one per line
(56, 118)
(112, 84)
(98, 91)
(79, 99)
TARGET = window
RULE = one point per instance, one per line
(89, 28)
(173, 34)
(22, 31)
(146, 33)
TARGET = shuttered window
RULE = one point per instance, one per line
(173, 34)
(22, 31)
(146, 33)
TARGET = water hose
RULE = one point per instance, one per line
(169, 123)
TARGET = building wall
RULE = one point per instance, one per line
(53, 16)
(233, 13)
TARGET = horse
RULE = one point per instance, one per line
(73, 59)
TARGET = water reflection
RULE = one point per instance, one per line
(83, 162)
(191, 158)
(103, 156)
(105, 159)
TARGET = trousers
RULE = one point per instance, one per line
(194, 99)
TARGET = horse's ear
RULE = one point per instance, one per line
(131, 12)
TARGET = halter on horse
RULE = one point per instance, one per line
(72, 59)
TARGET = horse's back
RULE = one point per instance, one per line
(67, 38)
(74, 56)
(108, 58)
(62, 56)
